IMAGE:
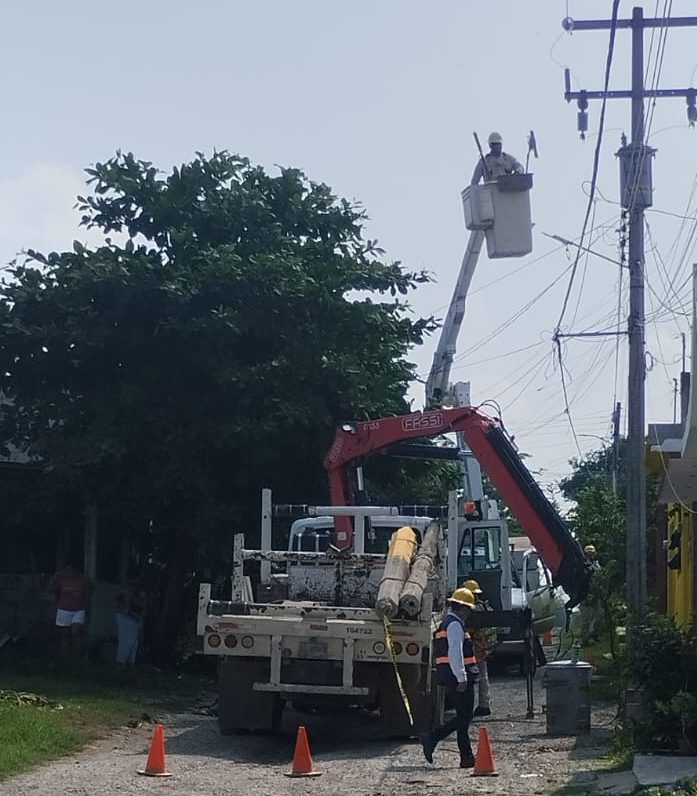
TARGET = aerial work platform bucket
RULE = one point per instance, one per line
(501, 209)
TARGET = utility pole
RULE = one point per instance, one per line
(636, 189)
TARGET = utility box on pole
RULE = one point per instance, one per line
(501, 209)
(636, 180)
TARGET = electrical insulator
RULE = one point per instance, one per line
(582, 116)
(582, 123)
(691, 109)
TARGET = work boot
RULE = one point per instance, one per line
(480, 711)
(428, 745)
(467, 762)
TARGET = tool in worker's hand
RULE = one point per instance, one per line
(532, 147)
(487, 176)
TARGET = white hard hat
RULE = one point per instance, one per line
(495, 138)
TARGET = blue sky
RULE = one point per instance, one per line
(379, 99)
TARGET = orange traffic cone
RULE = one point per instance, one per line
(302, 759)
(155, 767)
(484, 761)
(547, 638)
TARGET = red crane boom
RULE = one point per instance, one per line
(486, 438)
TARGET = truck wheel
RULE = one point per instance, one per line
(240, 708)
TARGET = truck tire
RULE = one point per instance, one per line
(240, 708)
(426, 706)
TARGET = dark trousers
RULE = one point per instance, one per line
(464, 706)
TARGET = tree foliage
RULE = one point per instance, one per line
(601, 463)
(207, 347)
(597, 486)
(662, 661)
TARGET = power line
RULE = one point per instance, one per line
(596, 157)
(566, 396)
(635, 160)
(585, 267)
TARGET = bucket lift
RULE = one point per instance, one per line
(498, 211)
(501, 210)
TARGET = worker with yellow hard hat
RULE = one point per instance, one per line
(591, 610)
(482, 640)
(456, 667)
(496, 162)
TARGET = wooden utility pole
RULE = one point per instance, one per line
(636, 188)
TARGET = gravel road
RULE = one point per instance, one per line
(203, 762)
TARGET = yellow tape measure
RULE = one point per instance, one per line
(400, 685)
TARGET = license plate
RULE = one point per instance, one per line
(313, 649)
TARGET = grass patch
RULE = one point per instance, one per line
(94, 700)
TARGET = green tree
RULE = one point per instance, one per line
(228, 320)
(597, 486)
(607, 462)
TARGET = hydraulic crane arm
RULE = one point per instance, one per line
(438, 381)
(487, 440)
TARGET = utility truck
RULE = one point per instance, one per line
(337, 624)
(315, 634)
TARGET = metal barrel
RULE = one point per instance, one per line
(568, 709)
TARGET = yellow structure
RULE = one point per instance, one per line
(673, 458)
(680, 564)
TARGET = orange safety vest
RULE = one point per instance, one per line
(440, 643)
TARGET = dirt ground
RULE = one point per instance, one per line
(202, 762)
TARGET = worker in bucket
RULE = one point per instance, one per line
(456, 668)
(483, 641)
(496, 163)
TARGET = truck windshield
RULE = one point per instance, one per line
(480, 549)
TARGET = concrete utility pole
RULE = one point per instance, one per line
(636, 189)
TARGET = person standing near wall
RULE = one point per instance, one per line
(72, 590)
(129, 614)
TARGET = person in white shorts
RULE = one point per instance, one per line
(72, 590)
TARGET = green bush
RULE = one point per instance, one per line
(662, 662)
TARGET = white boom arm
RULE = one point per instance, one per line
(438, 383)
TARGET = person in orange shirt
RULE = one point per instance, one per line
(72, 591)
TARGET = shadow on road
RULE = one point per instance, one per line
(335, 737)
